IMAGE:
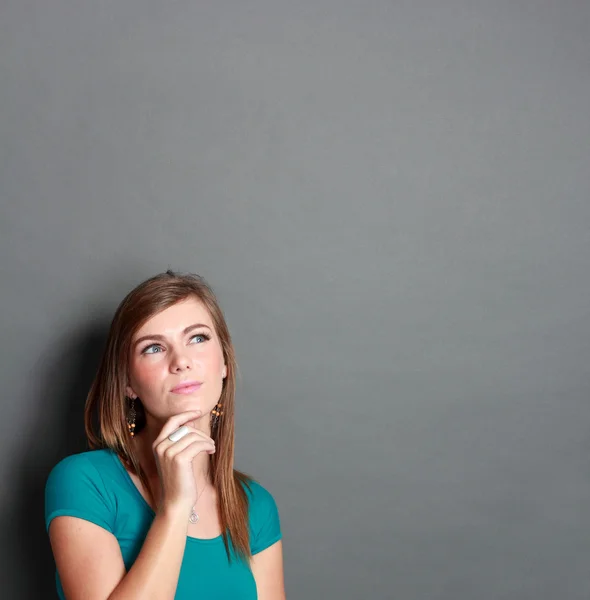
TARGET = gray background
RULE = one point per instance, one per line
(391, 201)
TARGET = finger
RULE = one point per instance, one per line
(192, 449)
(187, 435)
(179, 433)
(174, 449)
(199, 432)
(175, 422)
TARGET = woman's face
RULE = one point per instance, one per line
(176, 362)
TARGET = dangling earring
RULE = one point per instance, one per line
(215, 414)
(131, 418)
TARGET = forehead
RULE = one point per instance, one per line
(176, 318)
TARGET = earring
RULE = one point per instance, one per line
(215, 414)
(131, 418)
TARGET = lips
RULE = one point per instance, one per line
(188, 387)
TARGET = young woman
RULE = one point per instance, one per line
(155, 510)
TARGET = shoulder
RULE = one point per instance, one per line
(257, 494)
(265, 527)
(83, 465)
(261, 503)
(78, 485)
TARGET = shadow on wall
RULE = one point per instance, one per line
(56, 432)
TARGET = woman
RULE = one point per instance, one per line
(155, 509)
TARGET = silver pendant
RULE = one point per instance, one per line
(194, 518)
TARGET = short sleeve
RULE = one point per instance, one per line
(264, 519)
(75, 488)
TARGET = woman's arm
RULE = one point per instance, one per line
(267, 567)
(90, 565)
(88, 557)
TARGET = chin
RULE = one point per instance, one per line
(188, 404)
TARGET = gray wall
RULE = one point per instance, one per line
(391, 200)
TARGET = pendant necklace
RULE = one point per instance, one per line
(194, 518)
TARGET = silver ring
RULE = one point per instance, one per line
(178, 434)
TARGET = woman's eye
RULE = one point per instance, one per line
(200, 337)
(153, 349)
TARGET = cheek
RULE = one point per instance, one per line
(207, 360)
(216, 362)
(144, 374)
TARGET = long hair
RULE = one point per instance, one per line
(105, 414)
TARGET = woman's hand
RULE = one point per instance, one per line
(174, 461)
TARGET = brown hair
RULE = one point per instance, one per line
(108, 404)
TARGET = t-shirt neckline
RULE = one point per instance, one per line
(138, 494)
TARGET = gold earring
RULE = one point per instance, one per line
(131, 418)
(215, 414)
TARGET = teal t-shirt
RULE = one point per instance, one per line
(96, 487)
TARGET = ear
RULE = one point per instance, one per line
(224, 372)
(129, 391)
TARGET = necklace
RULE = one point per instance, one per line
(194, 518)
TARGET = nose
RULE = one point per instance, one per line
(180, 362)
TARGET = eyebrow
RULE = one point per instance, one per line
(157, 336)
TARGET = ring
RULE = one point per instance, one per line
(178, 434)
